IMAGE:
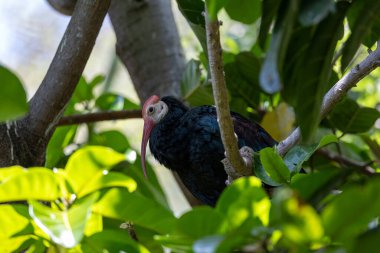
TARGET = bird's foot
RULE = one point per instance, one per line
(247, 155)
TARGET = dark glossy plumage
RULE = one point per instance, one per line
(188, 141)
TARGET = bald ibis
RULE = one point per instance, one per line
(187, 140)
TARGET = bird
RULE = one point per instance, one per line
(188, 141)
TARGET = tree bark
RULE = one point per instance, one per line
(24, 141)
(148, 44)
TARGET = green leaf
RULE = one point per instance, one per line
(200, 222)
(350, 212)
(89, 162)
(62, 137)
(314, 11)
(118, 203)
(269, 10)
(13, 219)
(348, 117)
(270, 79)
(300, 154)
(246, 198)
(35, 183)
(107, 180)
(298, 222)
(314, 70)
(242, 78)
(274, 166)
(315, 186)
(83, 91)
(111, 101)
(111, 241)
(21, 244)
(193, 11)
(214, 6)
(245, 11)
(65, 228)
(191, 78)
(361, 17)
(112, 138)
(367, 242)
(13, 103)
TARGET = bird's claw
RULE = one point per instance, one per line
(247, 155)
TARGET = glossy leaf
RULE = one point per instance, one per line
(315, 66)
(270, 76)
(110, 179)
(62, 137)
(300, 154)
(314, 11)
(111, 101)
(243, 200)
(361, 17)
(192, 90)
(344, 218)
(112, 139)
(200, 222)
(213, 7)
(90, 162)
(245, 11)
(111, 241)
(349, 117)
(120, 204)
(41, 184)
(13, 219)
(13, 102)
(193, 11)
(274, 166)
(65, 228)
(297, 221)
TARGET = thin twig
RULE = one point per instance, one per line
(335, 94)
(221, 98)
(99, 116)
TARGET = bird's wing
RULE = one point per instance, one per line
(251, 134)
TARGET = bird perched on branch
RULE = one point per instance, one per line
(188, 141)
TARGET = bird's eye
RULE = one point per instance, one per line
(151, 110)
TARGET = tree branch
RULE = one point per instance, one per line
(221, 99)
(99, 116)
(56, 89)
(65, 7)
(335, 94)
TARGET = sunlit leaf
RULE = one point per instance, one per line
(13, 219)
(110, 179)
(90, 162)
(12, 96)
(41, 184)
(350, 212)
(244, 199)
(111, 241)
(112, 138)
(298, 221)
(200, 222)
(213, 7)
(65, 228)
(118, 203)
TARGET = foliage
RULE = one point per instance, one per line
(91, 196)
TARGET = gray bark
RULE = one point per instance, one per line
(148, 45)
(24, 141)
